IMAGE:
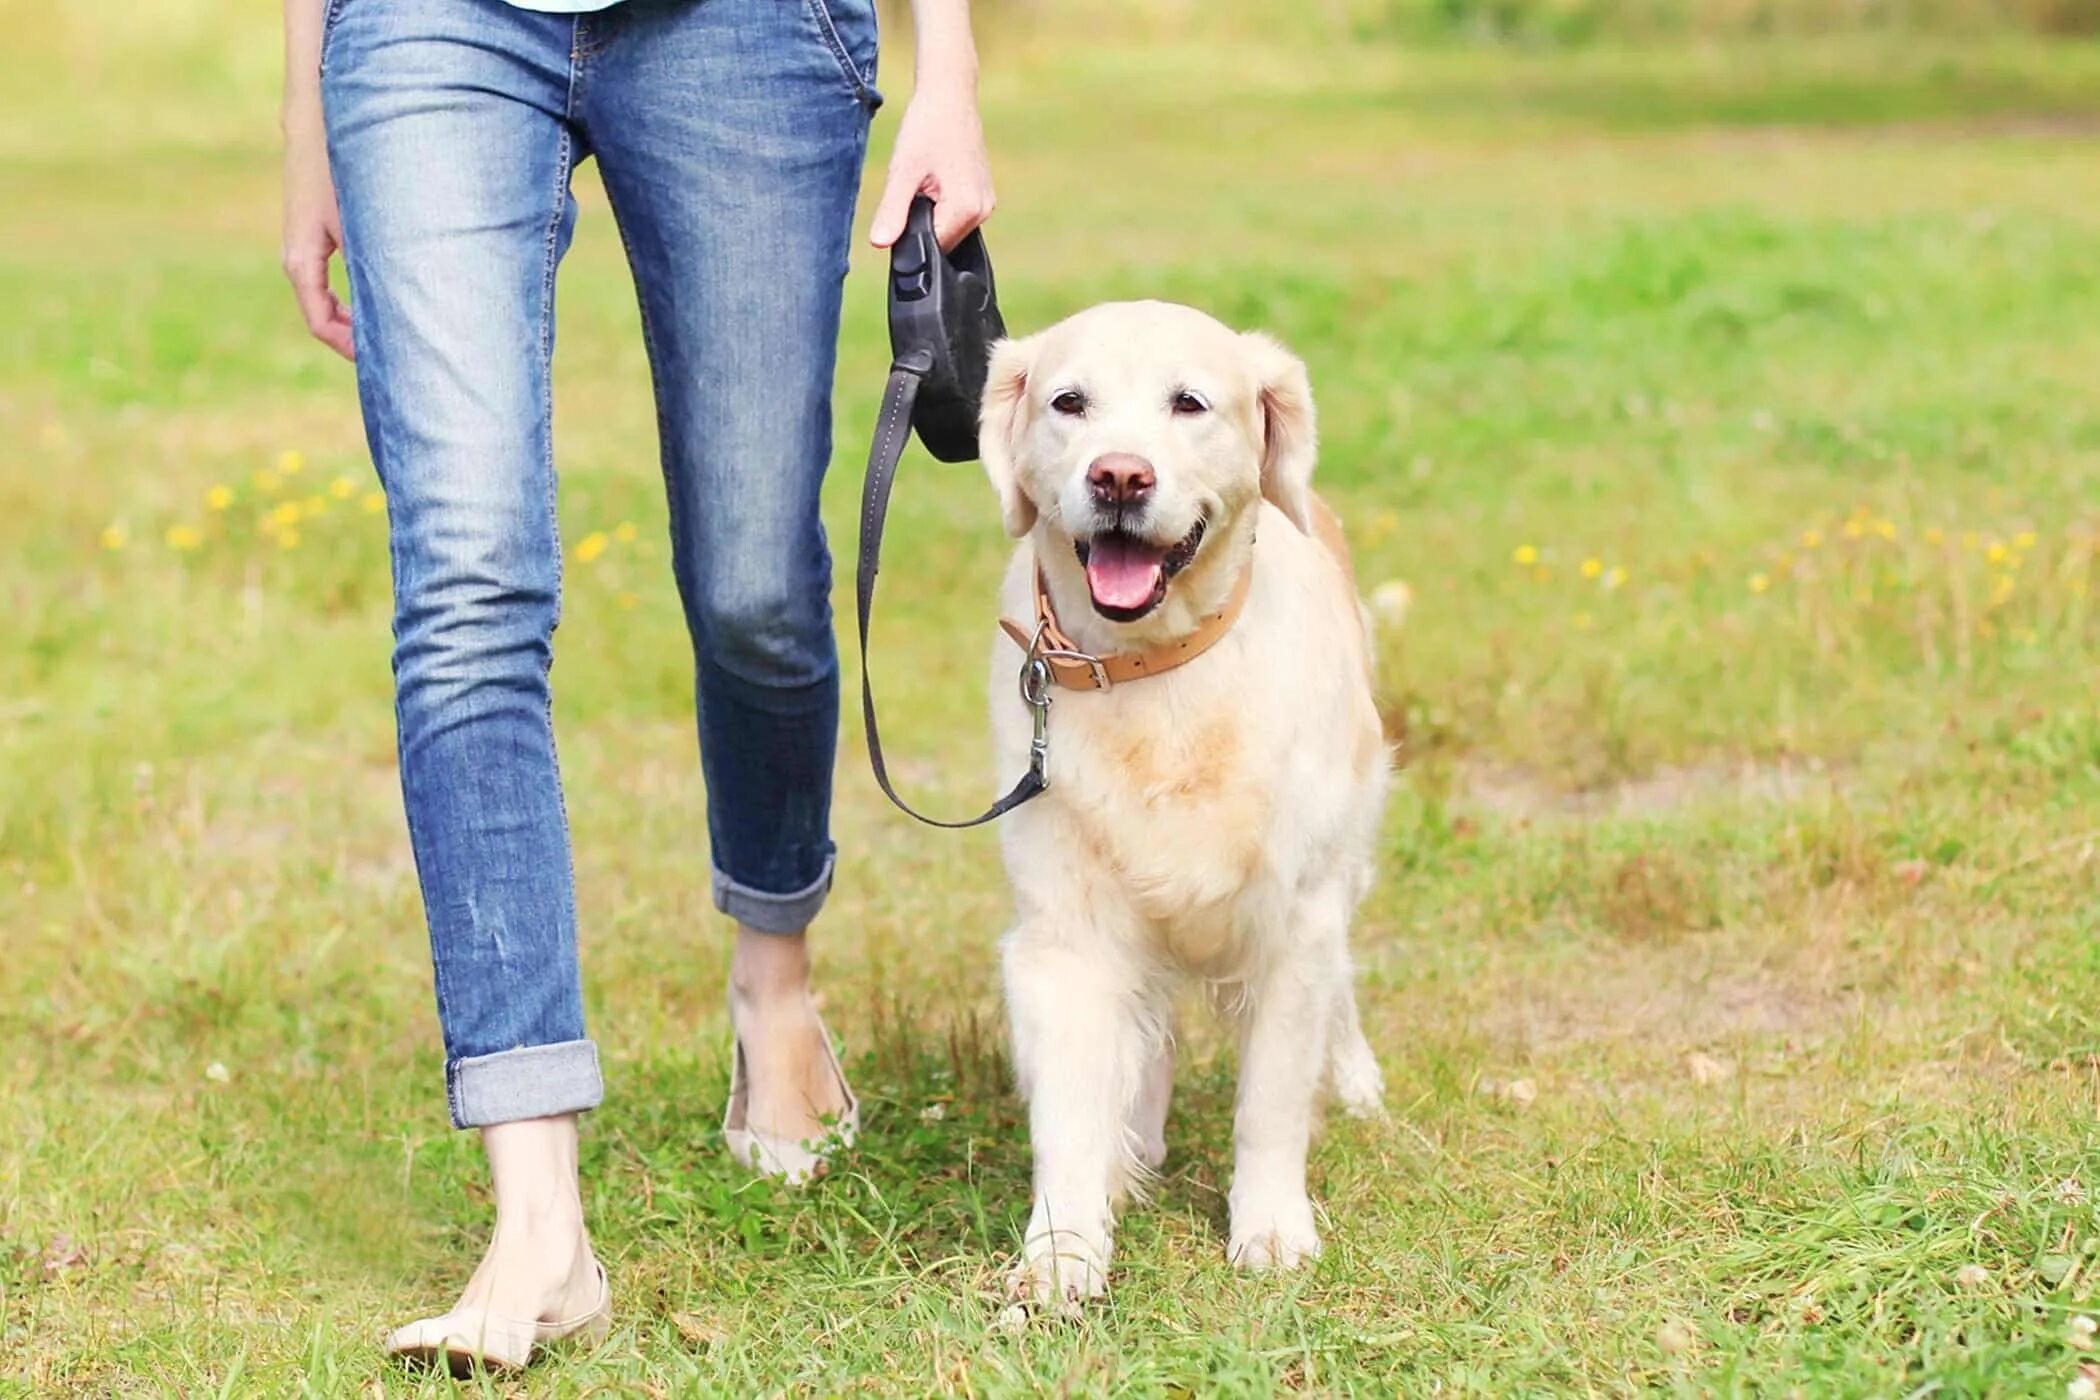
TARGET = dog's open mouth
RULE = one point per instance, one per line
(1127, 575)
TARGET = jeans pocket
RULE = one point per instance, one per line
(847, 28)
(328, 26)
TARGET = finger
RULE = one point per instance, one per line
(890, 211)
(336, 335)
(957, 214)
(327, 320)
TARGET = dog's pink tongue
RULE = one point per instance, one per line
(1122, 573)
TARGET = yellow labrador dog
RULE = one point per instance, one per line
(1216, 767)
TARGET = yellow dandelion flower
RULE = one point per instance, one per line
(267, 482)
(1935, 535)
(184, 537)
(373, 502)
(219, 497)
(1759, 583)
(1525, 554)
(1811, 539)
(313, 506)
(1885, 528)
(590, 547)
(1616, 577)
(288, 538)
(1855, 528)
(115, 537)
(1382, 524)
(342, 488)
(284, 515)
(628, 600)
(1592, 567)
(291, 461)
(625, 532)
(2024, 540)
(1997, 553)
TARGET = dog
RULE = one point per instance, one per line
(1211, 814)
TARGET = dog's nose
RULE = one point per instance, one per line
(1120, 479)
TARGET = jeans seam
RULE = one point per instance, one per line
(545, 389)
(329, 17)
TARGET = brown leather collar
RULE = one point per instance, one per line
(1077, 670)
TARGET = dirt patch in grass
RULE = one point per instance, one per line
(1519, 793)
(1670, 1001)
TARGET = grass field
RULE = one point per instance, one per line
(1729, 410)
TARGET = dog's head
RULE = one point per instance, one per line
(1141, 437)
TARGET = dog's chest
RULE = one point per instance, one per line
(1171, 802)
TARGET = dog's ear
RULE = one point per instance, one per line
(999, 426)
(1283, 397)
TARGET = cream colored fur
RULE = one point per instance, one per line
(1215, 822)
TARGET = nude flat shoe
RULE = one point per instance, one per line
(467, 1338)
(791, 1161)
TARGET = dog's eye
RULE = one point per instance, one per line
(1186, 402)
(1071, 403)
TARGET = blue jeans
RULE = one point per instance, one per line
(730, 135)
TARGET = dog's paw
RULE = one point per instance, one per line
(1358, 1086)
(1273, 1236)
(1059, 1271)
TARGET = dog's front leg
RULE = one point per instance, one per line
(1082, 1037)
(1283, 1054)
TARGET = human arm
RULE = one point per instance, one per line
(940, 144)
(313, 229)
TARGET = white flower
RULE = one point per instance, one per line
(1391, 600)
(217, 1073)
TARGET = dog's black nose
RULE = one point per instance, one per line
(1120, 479)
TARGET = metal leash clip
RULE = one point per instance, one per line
(1035, 694)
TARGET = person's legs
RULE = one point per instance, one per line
(731, 136)
(451, 151)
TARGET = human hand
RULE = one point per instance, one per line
(940, 154)
(313, 231)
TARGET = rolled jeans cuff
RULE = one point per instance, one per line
(533, 1081)
(773, 913)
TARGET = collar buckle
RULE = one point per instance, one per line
(1038, 651)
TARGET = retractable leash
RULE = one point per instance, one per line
(944, 316)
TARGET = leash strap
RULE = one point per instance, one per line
(892, 431)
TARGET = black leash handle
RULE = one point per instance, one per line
(892, 432)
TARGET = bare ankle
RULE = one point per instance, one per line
(769, 969)
(532, 1169)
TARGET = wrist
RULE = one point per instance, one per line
(299, 115)
(950, 77)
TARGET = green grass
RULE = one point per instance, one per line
(1734, 967)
